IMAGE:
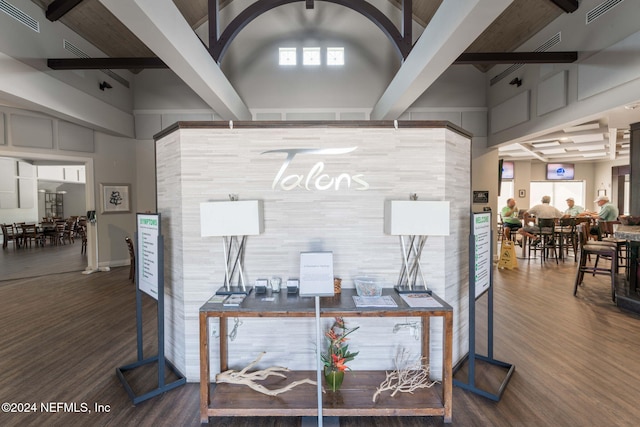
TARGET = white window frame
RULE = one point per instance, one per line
(332, 59)
(287, 56)
(311, 56)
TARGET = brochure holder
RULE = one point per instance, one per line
(150, 280)
(480, 283)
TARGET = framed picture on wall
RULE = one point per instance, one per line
(116, 198)
(602, 192)
(522, 193)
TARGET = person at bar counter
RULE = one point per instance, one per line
(542, 210)
(510, 220)
(608, 212)
(573, 210)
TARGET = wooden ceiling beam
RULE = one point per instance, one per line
(58, 8)
(105, 63)
(465, 58)
(476, 58)
(569, 6)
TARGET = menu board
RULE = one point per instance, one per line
(482, 252)
(148, 227)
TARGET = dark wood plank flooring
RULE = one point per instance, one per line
(23, 262)
(577, 358)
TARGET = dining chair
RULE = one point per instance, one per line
(82, 233)
(606, 229)
(8, 235)
(567, 238)
(132, 259)
(69, 232)
(605, 250)
(546, 235)
(57, 237)
(31, 234)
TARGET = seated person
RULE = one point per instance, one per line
(543, 210)
(608, 212)
(573, 210)
(510, 221)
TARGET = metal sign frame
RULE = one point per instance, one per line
(477, 241)
(154, 263)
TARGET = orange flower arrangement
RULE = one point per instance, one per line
(338, 353)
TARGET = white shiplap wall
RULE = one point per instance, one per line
(198, 165)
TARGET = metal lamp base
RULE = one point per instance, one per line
(234, 290)
(404, 289)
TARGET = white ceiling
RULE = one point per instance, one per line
(604, 137)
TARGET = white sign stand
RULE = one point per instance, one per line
(316, 280)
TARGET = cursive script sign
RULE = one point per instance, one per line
(315, 179)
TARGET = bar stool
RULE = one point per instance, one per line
(599, 249)
(607, 235)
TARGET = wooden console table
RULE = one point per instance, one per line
(355, 396)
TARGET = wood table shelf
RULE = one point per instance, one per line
(355, 395)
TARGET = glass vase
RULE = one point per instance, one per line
(333, 377)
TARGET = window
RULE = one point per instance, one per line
(506, 192)
(335, 56)
(287, 56)
(310, 56)
(559, 192)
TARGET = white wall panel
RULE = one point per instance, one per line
(611, 67)
(30, 131)
(552, 93)
(3, 140)
(510, 113)
(201, 165)
(72, 137)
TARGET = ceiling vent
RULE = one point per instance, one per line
(601, 9)
(19, 16)
(557, 38)
(70, 47)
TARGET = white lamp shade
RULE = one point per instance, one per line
(416, 218)
(231, 218)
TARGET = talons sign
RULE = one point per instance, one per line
(315, 178)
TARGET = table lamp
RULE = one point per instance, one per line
(233, 221)
(415, 220)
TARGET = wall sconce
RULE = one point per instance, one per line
(105, 85)
(516, 81)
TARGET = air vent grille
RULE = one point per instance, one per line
(70, 47)
(19, 15)
(601, 9)
(557, 38)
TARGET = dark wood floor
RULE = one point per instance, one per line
(577, 358)
(40, 260)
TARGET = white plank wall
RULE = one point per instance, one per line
(202, 165)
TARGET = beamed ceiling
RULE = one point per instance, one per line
(495, 42)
